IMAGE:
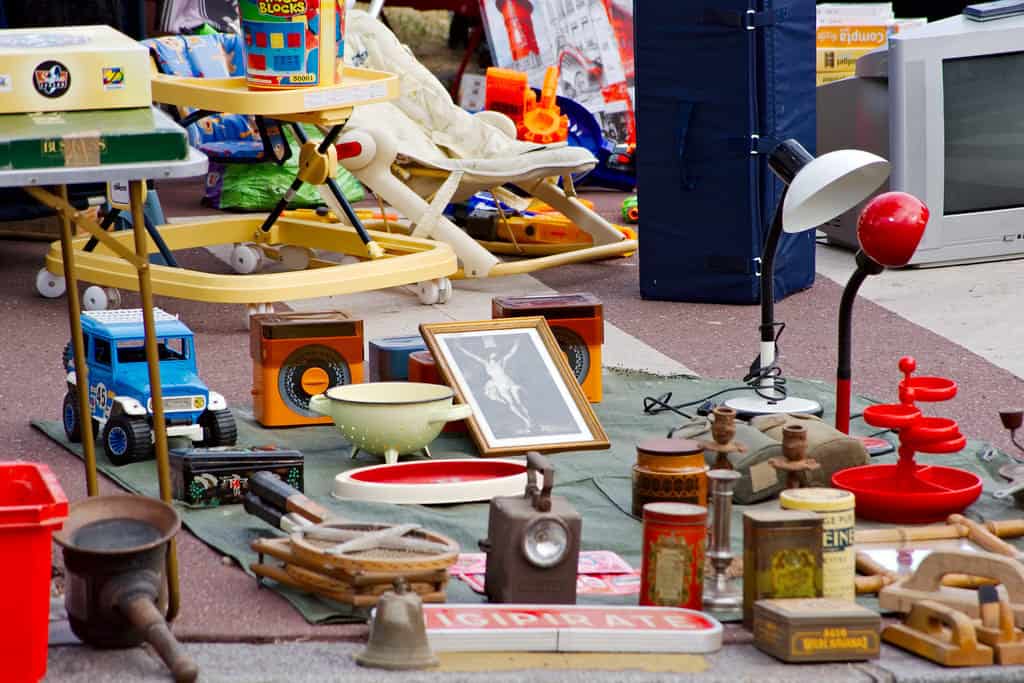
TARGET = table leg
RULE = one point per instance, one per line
(137, 193)
(78, 349)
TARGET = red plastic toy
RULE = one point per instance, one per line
(905, 492)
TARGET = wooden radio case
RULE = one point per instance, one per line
(577, 322)
(298, 355)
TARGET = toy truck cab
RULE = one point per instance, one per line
(120, 399)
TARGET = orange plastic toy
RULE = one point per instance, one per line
(541, 122)
(298, 355)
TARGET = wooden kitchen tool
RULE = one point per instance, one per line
(925, 634)
(926, 582)
(997, 630)
(952, 530)
(358, 577)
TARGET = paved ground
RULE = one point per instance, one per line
(958, 322)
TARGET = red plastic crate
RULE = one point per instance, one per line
(32, 507)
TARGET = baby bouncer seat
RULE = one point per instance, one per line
(422, 151)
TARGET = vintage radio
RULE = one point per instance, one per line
(220, 476)
(577, 323)
(533, 542)
(389, 357)
(298, 355)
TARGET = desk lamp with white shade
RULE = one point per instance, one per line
(816, 191)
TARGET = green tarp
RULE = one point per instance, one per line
(597, 483)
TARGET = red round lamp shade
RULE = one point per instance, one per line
(891, 226)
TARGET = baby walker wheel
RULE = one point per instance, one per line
(446, 289)
(432, 292)
(245, 258)
(98, 298)
(254, 309)
(294, 257)
(49, 285)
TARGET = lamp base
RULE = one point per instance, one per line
(748, 406)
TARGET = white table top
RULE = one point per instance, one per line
(194, 165)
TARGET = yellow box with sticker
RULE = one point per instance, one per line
(72, 68)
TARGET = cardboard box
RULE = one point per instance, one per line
(72, 68)
(832, 76)
(875, 35)
(839, 13)
(89, 138)
(838, 59)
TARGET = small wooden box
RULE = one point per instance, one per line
(816, 630)
(782, 557)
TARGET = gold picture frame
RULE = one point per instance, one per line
(516, 378)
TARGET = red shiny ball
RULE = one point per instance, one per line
(891, 226)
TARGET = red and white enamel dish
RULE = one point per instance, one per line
(433, 482)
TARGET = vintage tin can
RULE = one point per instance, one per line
(293, 43)
(838, 556)
(816, 630)
(669, 470)
(672, 571)
(781, 556)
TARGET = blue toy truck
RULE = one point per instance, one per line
(119, 394)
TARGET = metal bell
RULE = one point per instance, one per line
(398, 636)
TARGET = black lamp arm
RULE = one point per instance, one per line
(771, 245)
(865, 266)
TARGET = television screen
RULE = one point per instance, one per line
(984, 102)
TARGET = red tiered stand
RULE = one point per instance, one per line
(905, 492)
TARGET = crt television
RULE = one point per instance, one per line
(944, 103)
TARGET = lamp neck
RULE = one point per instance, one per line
(771, 245)
(865, 266)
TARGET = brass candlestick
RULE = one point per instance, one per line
(723, 430)
(722, 592)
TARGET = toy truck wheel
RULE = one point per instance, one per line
(127, 439)
(49, 285)
(219, 428)
(71, 416)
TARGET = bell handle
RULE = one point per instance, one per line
(144, 616)
(535, 462)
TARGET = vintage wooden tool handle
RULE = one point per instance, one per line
(865, 585)
(866, 565)
(1006, 528)
(286, 498)
(907, 534)
(983, 537)
(928, 617)
(940, 563)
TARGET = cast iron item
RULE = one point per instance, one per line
(114, 552)
(533, 542)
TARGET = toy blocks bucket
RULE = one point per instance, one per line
(293, 43)
(32, 507)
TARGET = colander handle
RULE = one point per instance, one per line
(459, 411)
(535, 462)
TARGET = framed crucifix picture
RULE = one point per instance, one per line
(516, 378)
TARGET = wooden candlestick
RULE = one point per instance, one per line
(794, 461)
(723, 431)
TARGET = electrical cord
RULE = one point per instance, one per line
(655, 405)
